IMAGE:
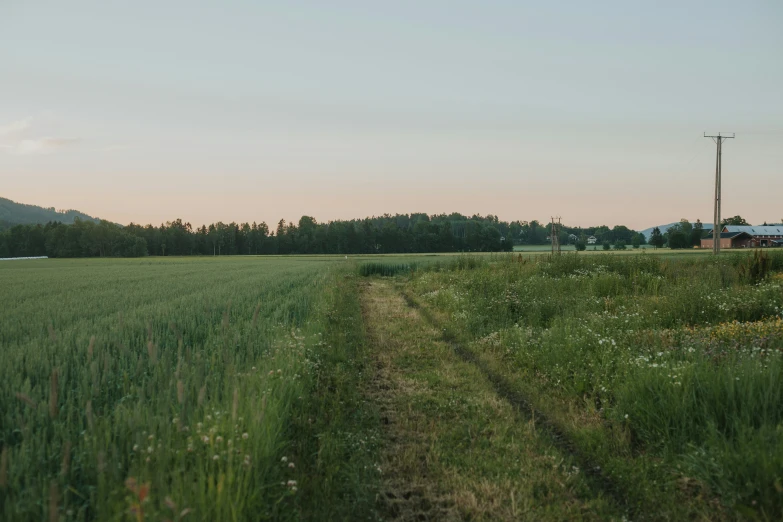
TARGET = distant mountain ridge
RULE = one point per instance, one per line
(663, 228)
(13, 213)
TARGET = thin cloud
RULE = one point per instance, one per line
(13, 140)
(15, 127)
(42, 145)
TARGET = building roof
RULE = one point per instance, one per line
(726, 235)
(769, 230)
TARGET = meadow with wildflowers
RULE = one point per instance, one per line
(595, 386)
(666, 372)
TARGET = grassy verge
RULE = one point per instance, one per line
(337, 431)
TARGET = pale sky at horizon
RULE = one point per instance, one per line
(255, 111)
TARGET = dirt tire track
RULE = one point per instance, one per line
(524, 407)
(400, 498)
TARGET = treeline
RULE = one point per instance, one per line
(681, 235)
(80, 239)
(535, 233)
(400, 233)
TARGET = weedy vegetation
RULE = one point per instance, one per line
(386, 269)
(666, 372)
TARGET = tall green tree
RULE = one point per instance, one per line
(697, 233)
(735, 220)
(656, 238)
(677, 238)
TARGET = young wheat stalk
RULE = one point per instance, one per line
(25, 399)
(152, 351)
(66, 458)
(89, 415)
(235, 405)
(255, 314)
(4, 468)
(54, 502)
(53, 395)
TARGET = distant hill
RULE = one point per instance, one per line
(663, 228)
(13, 213)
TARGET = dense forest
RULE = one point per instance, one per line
(400, 233)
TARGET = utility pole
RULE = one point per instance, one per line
(554, 234)
(716, 226)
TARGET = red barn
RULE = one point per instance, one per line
(736, 236)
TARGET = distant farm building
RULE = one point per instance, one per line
(591, 240)
(729, 240)
(734, 236)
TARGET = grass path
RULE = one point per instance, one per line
(454, 448)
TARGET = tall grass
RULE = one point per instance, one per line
(337, 427)
(386, 269)
(685, 355)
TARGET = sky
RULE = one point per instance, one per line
(256, 110)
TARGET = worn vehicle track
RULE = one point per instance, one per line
(525, 408)
(452, 447)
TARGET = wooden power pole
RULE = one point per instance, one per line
(716, 226)
(555, 235)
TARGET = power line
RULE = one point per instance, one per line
(716, 227)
